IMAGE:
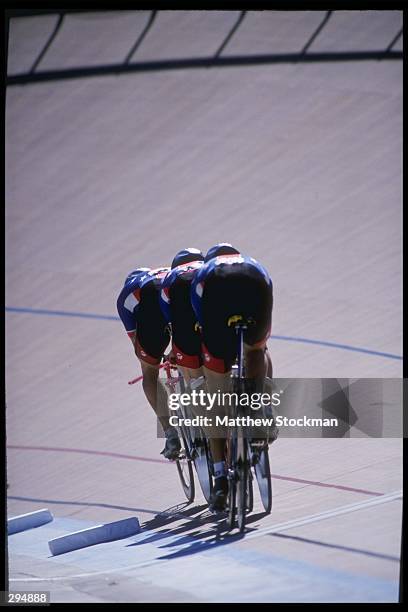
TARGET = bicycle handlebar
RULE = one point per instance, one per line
(166, 364)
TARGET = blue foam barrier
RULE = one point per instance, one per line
(29, 520)
(94, 535)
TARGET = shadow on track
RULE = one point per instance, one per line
(196, 533)
(62, 502)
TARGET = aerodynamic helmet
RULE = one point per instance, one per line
(223, 248)
(186, 256)
(135, 273)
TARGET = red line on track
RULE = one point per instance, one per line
(88, 452)
(165, 461)
(325, 484)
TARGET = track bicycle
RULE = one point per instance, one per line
(242, 452)
(194, 444)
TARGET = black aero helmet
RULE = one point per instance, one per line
(223, 248)
(186, 256)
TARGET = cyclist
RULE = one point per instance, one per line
(230, 284)
(176, 306)
(139, 309)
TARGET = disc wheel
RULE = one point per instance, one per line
(203, 469)
(250, 492)
(263, 477)
(242, 484)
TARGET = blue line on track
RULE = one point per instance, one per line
(346, 347)
(62, 313)
(86, 315)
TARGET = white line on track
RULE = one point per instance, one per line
(321, 516)
(312, 518)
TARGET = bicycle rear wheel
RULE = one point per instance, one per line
(250, 491)
(185, 470)
(202, 466)
(242, 484)
(263, 477)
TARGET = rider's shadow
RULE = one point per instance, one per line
(164, 519)
(174, 513)
(197, 540)
(222, 537)
(221, 533)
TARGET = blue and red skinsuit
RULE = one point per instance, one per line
(197, 286)
(185, 270)
(129, 300)
(197, 290)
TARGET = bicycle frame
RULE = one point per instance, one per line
(239, 474)
(196, 449)
(240, 334)
(259, 458)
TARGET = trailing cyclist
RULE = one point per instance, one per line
(139, 309)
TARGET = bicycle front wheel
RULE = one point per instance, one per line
(185, 471)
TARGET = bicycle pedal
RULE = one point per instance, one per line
(218, 513)
(194, 453)
(258, 444)
(172, 459)
(254, 459)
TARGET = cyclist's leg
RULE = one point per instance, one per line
(269, 369)
(259, 368)
(216, 384)
(150, 374)
(151, 339)
(150, 385)
(189, 376)
(190, 373)
(257, 365)
(258, 362)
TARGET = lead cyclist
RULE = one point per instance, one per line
(229, 284)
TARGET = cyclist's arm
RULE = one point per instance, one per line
(127, 304)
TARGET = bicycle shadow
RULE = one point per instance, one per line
(173, 513)
(159, 523)
(195, 532)
(221, 537)
(159, 528)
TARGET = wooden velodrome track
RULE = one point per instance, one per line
(298, 165)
